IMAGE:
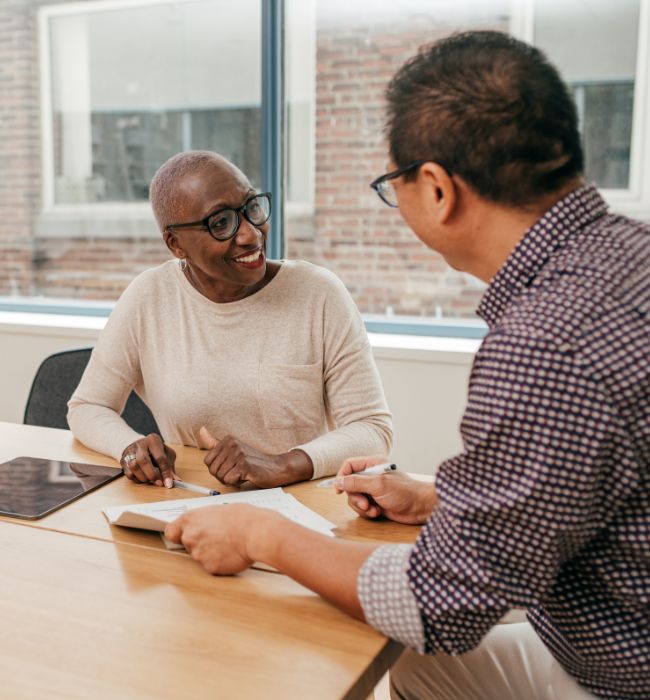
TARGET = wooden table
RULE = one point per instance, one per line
(91, 610)
(83, 517)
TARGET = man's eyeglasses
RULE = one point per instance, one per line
(223, 224)
(384, 187)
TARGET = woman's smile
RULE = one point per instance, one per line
(251, 260)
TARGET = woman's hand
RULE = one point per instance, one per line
(235, 463)
(392, 495)
(149, 461)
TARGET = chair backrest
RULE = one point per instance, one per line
(55, 381)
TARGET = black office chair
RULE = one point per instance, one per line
(55, 381)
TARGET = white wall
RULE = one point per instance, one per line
(425, 379)
(25, 340)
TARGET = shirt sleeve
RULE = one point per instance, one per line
(386, 598)
(354, 397)
(112, 373)
(526, 494)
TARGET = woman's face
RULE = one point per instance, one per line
(221, 270)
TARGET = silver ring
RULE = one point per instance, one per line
(129, 458)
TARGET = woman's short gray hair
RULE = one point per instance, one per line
(164, 194)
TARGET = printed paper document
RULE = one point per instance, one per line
(155, 516)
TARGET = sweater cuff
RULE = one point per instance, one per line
(386, 597)
(320, 467)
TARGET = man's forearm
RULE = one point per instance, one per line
(328, 566)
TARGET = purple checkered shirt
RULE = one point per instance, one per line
(548, 507)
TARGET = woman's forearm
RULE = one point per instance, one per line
(296, 465)
(100, 428)
(356, 439)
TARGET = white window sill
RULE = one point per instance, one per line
(386, 346)
(51, 324)
(419, 348)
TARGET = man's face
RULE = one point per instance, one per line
(413, 206)
(423, 204)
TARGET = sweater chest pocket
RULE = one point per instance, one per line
(291, 396)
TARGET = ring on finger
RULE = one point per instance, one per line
(129, 458)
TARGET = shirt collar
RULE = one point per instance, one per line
(540, 241)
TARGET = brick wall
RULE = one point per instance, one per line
(19, 144)
(84, 268)
(93, 268)
(351, 232)
(382, 263)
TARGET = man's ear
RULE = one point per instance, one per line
(442, 189)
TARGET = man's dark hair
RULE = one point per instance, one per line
(491, 109)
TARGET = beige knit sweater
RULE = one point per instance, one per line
(287, 367)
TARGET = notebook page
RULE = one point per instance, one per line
(155, 516)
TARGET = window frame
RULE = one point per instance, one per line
(634, 200)
(73, 220)
(305, 206)
(404, 326)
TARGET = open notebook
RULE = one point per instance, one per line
(155, 516)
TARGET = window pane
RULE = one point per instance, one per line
(340, 57)
(131, 86)
(594, 43)
(606, 123)
(122, 87)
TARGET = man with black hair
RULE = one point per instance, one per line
(547, 508)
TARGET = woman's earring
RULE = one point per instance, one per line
(182, 264)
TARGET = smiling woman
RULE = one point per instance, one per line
(207, 194)
(270, 356)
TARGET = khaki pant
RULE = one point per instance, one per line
(512, 663)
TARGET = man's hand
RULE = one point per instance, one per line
(149, 461)
(228, 539)
(218, 537)
(235, 463)
(393, 495)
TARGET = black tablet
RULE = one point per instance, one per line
(31, 488)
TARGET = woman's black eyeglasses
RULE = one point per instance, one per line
(384, 188)
(223, 224)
